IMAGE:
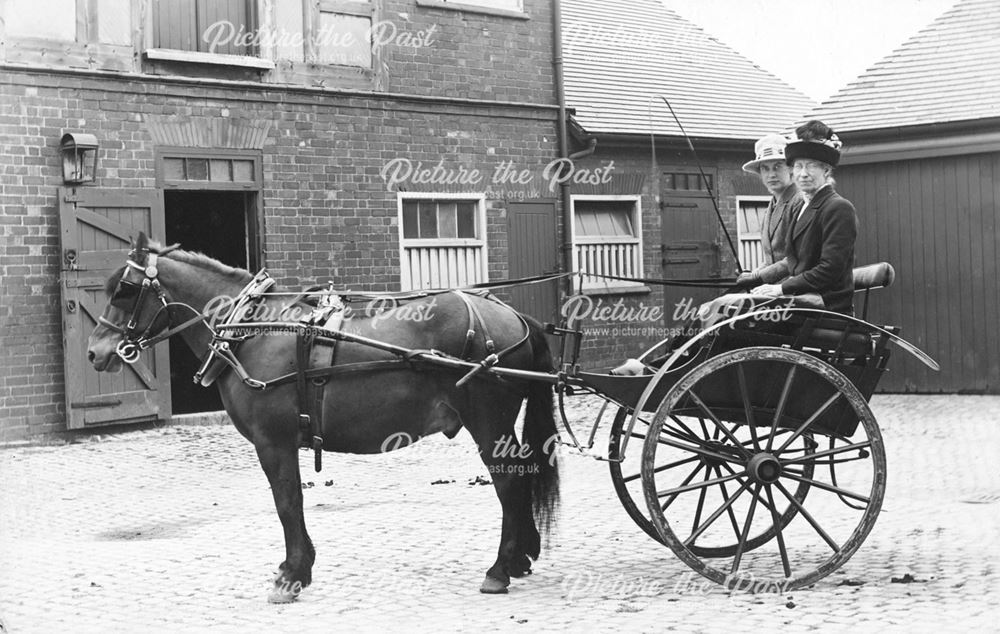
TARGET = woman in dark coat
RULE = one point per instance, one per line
(821, 238)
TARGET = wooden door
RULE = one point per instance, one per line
(96, 226)
(533, 250)
(689, 236)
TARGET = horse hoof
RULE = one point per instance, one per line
(280, 595)
(493, 586)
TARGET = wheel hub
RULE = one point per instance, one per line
(764, 468)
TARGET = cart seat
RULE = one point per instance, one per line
(870, 277)
(834, 335)
(879, 275)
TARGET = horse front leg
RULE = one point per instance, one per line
(281, 465)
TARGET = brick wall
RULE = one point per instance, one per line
(473, 55)
(327, 211)
(637, 321)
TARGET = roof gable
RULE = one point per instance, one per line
(949, 71)
(620, 57)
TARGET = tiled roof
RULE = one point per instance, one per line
(949, 71)
(621, 56)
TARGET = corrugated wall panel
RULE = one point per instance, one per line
(935, 220)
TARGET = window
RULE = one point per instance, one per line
(332, 33)
(687, 181)
(606, 239)
(506, 8)
(344, 34)
(749, 222)
(188, 168)
(206, 26)
(509, 5)
(108, 21)
(442, 239)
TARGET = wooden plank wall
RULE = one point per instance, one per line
(935, 220)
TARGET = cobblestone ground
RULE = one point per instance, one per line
(174, 529)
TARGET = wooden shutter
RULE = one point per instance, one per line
(96, 226)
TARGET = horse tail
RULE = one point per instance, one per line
(539, 433)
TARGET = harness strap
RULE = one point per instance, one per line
(324, 359)
(303, 345)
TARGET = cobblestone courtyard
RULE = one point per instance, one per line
(174, 529)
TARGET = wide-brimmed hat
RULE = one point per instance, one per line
(815, 141)
(768, 148)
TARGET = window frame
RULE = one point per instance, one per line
(256, 156)
(477, 198)
(85, 50)
(470, 6)
(575, 241)
(740, 221)
(260, 60)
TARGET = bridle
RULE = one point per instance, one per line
(134, 342)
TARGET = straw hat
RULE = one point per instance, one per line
(768, 148)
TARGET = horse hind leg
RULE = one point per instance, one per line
(281, 465)
(529, 542)
(493, 430)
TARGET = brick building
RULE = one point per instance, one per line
(658, 220)
(262, 150)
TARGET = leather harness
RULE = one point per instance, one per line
(317, 336)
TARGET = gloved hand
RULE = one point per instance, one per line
(748, 279)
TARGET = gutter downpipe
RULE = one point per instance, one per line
(557, 64)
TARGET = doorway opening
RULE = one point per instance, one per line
(218, 224)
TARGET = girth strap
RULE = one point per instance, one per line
(310, 424)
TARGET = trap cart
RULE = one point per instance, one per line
(750, 450)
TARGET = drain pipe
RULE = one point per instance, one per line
(567, 219)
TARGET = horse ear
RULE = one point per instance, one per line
(142, 241)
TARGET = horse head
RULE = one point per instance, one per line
(136, 309)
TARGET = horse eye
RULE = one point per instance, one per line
(124, 295)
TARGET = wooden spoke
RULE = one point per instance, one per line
(812, 419)
(729, 511)
(779, 536)
(663, 468)
(746, 530)
(681, 424)
(712, 417)
(828, 487)
(708, 453)
(715, 515)
(701, 505)
(685, 487)
(809, 518)
(828, 452)
(683, 484)
(747, 408)
(780, 410)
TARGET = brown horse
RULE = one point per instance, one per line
(368, 411)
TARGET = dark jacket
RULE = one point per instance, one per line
(821, 251)
(774, 233)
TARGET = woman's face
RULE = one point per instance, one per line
(810, 175)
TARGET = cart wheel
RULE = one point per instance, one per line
(626, 477)
(785, 395)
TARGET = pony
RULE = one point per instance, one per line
(376, 408)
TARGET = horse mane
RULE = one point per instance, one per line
(198, 260)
